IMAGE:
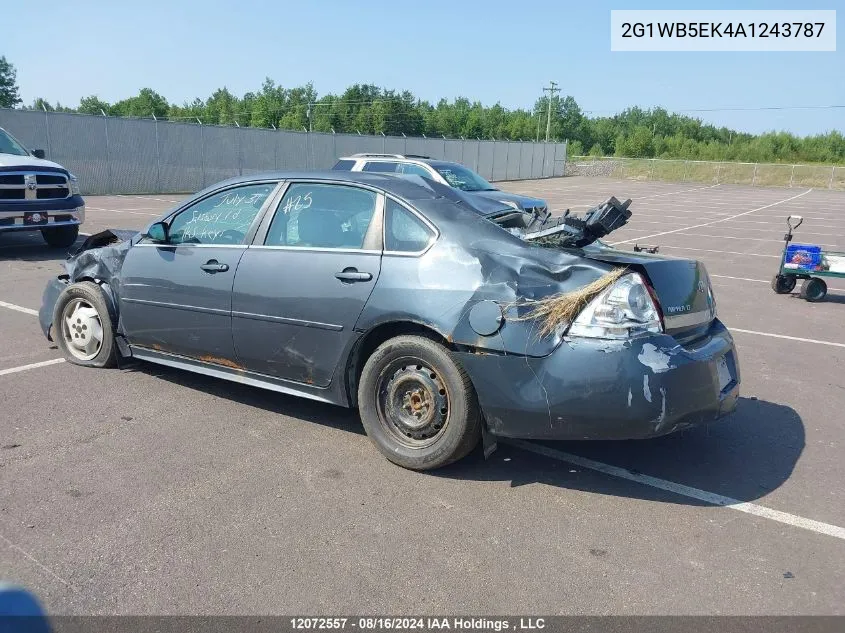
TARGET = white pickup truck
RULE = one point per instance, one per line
(37, 194)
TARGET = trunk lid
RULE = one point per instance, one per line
(682, 288)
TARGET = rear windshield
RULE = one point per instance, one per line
(344, 165)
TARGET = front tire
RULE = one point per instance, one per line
(61, 236)
(83, 326)
(783, 284)
(417, 404)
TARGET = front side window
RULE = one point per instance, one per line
(222, 218)
(382, 166)
(404, 231)
(462, 178)
(322, 216)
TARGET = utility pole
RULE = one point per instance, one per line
(552, 89)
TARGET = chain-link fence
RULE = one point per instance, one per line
(113, 155)
(755, 174)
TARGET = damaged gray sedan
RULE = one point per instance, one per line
(442, 317)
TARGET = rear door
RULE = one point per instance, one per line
(302, 285)
(177, 297)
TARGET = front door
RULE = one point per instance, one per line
(176, 297)
(299, 293)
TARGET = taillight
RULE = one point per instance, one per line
(625, 310)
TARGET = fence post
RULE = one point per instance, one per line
(754, 177)
(718, 173)
(158, 157)
(240, 153)
(686, 164)
(830, 182)
(108, 153)
(507, 158)
(531, 170)
(47, 130)
(477, 154)
(202, 154)
(651, 173)
(792, 176)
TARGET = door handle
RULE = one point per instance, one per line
(213, 266)
(348, 275)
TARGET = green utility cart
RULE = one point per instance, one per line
(808, 262)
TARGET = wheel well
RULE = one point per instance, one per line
(105, 288)
(375, 337)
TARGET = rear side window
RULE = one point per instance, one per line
(322, 216)
(382, 166)
(222, 218)
(344, 165)
(404, 231)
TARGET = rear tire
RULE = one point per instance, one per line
(813, 289)
(82, 326)
(61, 236)
(783, 284)
(417, 404)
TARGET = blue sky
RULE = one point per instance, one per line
(486, 50)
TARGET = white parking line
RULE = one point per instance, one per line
(130, 211)
(762, 281)
(45, 363)
(674, 193)
(685, 491)
(698, 226)
(707, 250)
(150, 198)
(789, 338)
(12, 306)
(756, 239)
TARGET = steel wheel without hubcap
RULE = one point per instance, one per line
(413, 403)
(82, 329)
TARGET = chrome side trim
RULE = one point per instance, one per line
(175, 306)
(359, 251)
(277, 319)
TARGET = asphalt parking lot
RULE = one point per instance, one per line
(147, 490)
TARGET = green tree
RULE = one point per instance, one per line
(93, 105)
(9, 95)
(146, 103)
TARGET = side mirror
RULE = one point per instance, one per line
(38, 153)
(158, 233)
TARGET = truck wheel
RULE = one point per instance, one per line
(61, 236)
(417, 404)
(813, 289)
(83, 327)
(783, 284)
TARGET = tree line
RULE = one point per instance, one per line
(369, 109)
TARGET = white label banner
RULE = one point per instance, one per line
(709, 30)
